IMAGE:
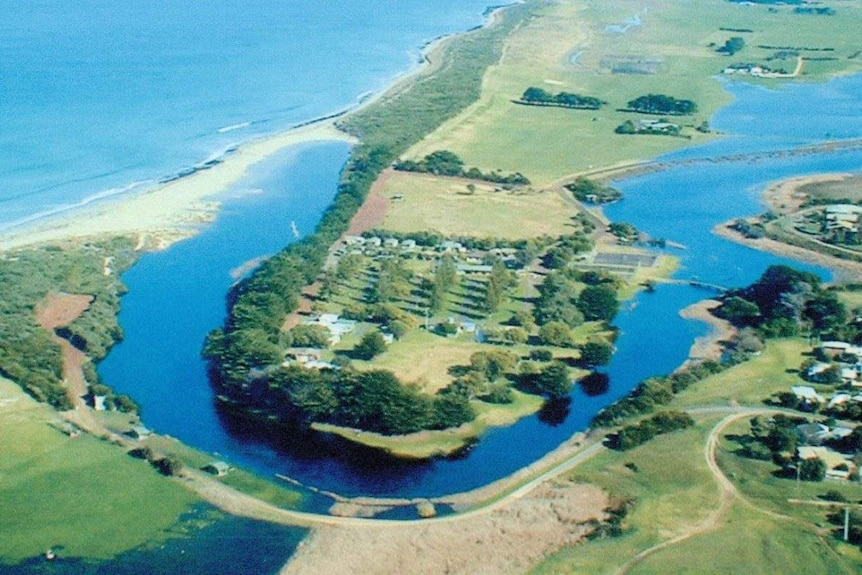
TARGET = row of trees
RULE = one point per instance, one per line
(662, 104)
(446, 163)
(540, 97)
(664, 422)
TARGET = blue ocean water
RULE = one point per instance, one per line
(99, 97)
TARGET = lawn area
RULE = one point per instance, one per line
(753, 381)
(82, 494)
(446, 205)
(748, 542)
(423, 358)
(549, 143)
(672, 490)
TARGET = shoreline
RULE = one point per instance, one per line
(177, 206)
(175, 209)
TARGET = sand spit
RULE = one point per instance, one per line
(174, 210)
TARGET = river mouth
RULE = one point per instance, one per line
(184, 287)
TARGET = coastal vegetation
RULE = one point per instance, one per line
(259, 304)
(586, 190)
(28, 355)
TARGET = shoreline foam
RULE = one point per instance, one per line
(176, 208)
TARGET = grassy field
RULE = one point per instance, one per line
(82, 495)
(753, 381)
(550, 143)
(672, 491)
(447, 206)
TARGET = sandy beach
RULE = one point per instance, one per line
(173, 210)
(709, 346)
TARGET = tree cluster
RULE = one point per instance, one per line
(662, 104)
(586, 190)
(540, 97)
(373, 401)
(28, 355)
(664, 422)
(782, 302)
(446, 163)
(732, 46)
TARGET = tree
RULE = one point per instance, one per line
(533, 94)
(443, 163)
(812, 469)
(596, 353)
(371, 345)
(553, 380)
(739, 311)
(599, 302)
(556, 333)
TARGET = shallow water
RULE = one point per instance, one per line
(107, 97)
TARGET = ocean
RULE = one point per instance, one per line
(100, 98)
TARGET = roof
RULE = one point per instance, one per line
(806, 392)
(831, 458)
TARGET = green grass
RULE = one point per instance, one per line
(548, 143)
(752, 382)
(672, 490)
(747, 542)
(83, 494)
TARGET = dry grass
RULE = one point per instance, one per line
(447, 206)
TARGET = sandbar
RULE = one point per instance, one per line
(171, 211)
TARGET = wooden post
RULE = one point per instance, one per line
(846, 523)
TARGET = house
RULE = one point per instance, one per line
(812, 433)
(354, 240)
(451, 246)
(390, 243)
(301, 355)
(837, 467)
(839, 399)
(373, 242)
(807, 395)
(217, 468)
(473, 269)
(818, 371)
(408, 245)
(139, 433)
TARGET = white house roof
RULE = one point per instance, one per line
(806, 392)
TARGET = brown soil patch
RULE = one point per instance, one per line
(58, 310)
(61, 309)
(303, 308)
(373, 210)
(505, 540)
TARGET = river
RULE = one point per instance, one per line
(177, 295)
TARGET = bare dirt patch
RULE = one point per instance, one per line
(505, 540)
(61, 309)
(373, 210)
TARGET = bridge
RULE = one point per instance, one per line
(694, 282)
